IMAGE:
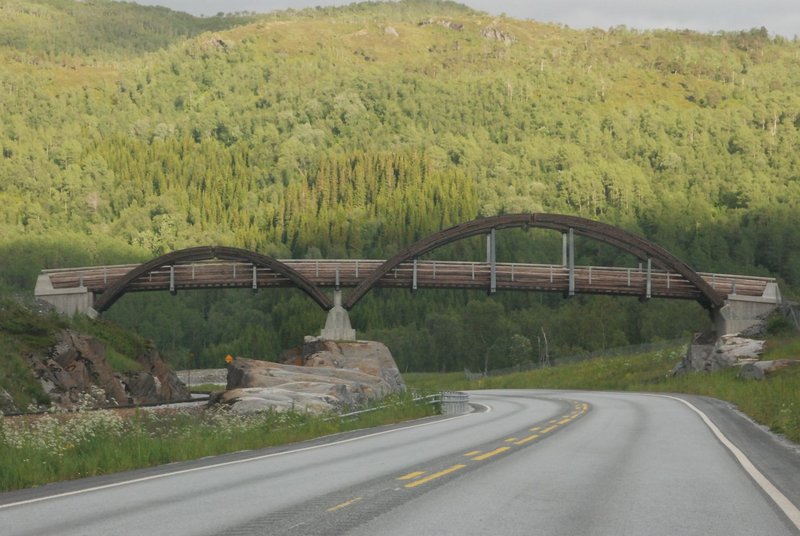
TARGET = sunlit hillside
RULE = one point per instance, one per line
(126, 132)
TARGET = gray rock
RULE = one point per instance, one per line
(496, 34)
(76, 366)
(141, 386)
(706, 355)
(7, 402)
(751, 371)
(336, 375)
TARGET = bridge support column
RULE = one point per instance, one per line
(742, 312)
(337, 325)
(67, 301)
(491, 258)
(571, 260)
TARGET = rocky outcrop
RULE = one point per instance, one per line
(496, 34)
(77, 366)
(708, 355)
(167, 386)
(450, 25)
(7, 402)
(326, 376)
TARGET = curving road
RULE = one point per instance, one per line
(526, 462)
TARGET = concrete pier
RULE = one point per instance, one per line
(337, 325)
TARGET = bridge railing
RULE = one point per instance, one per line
(426, 273)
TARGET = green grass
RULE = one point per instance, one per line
(37, 450)
(782, 347)
(774, 402)
(121, 363)
(206, 388)
(119, 340)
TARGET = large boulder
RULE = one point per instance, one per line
(708, 355)
(334, 376)
(369, 357)
(761, 369)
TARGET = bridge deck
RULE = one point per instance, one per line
(430, 274)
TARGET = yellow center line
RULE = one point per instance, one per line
(553, 421)
(491, 453)
(525, 440)
(548, 429)
(536, 429)
(565, 421)
(435, 475)
(511, 439)
(409, 476)
(473, 452)
(344, 504)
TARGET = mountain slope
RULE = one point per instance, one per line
(53, 29)
(354, 131)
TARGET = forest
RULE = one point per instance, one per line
(129, 131)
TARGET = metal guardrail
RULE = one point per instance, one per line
(454, 402)
(451, 403)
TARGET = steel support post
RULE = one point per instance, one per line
(564, 250)
(172, 280)
(414, 277)
(337, 286)
(255, 278)
(491, 250)
(571, 259)
(649, 289)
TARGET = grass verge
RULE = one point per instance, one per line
(774, 402)
(36, 450)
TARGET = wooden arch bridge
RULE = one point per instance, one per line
(660, 274)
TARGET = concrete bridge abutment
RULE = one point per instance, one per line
(742, 312)
(67, 301)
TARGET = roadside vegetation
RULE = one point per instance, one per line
(773, 402)
(37, 449)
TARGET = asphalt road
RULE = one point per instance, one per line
(527, 462)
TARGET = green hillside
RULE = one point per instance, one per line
(351, 132)
(86, 31)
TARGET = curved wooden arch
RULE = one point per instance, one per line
(115, 291)
(624, 240)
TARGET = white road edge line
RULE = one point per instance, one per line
(788, 508)
(224, 464)
(488, 408)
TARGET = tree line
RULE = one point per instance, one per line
(320, 133)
